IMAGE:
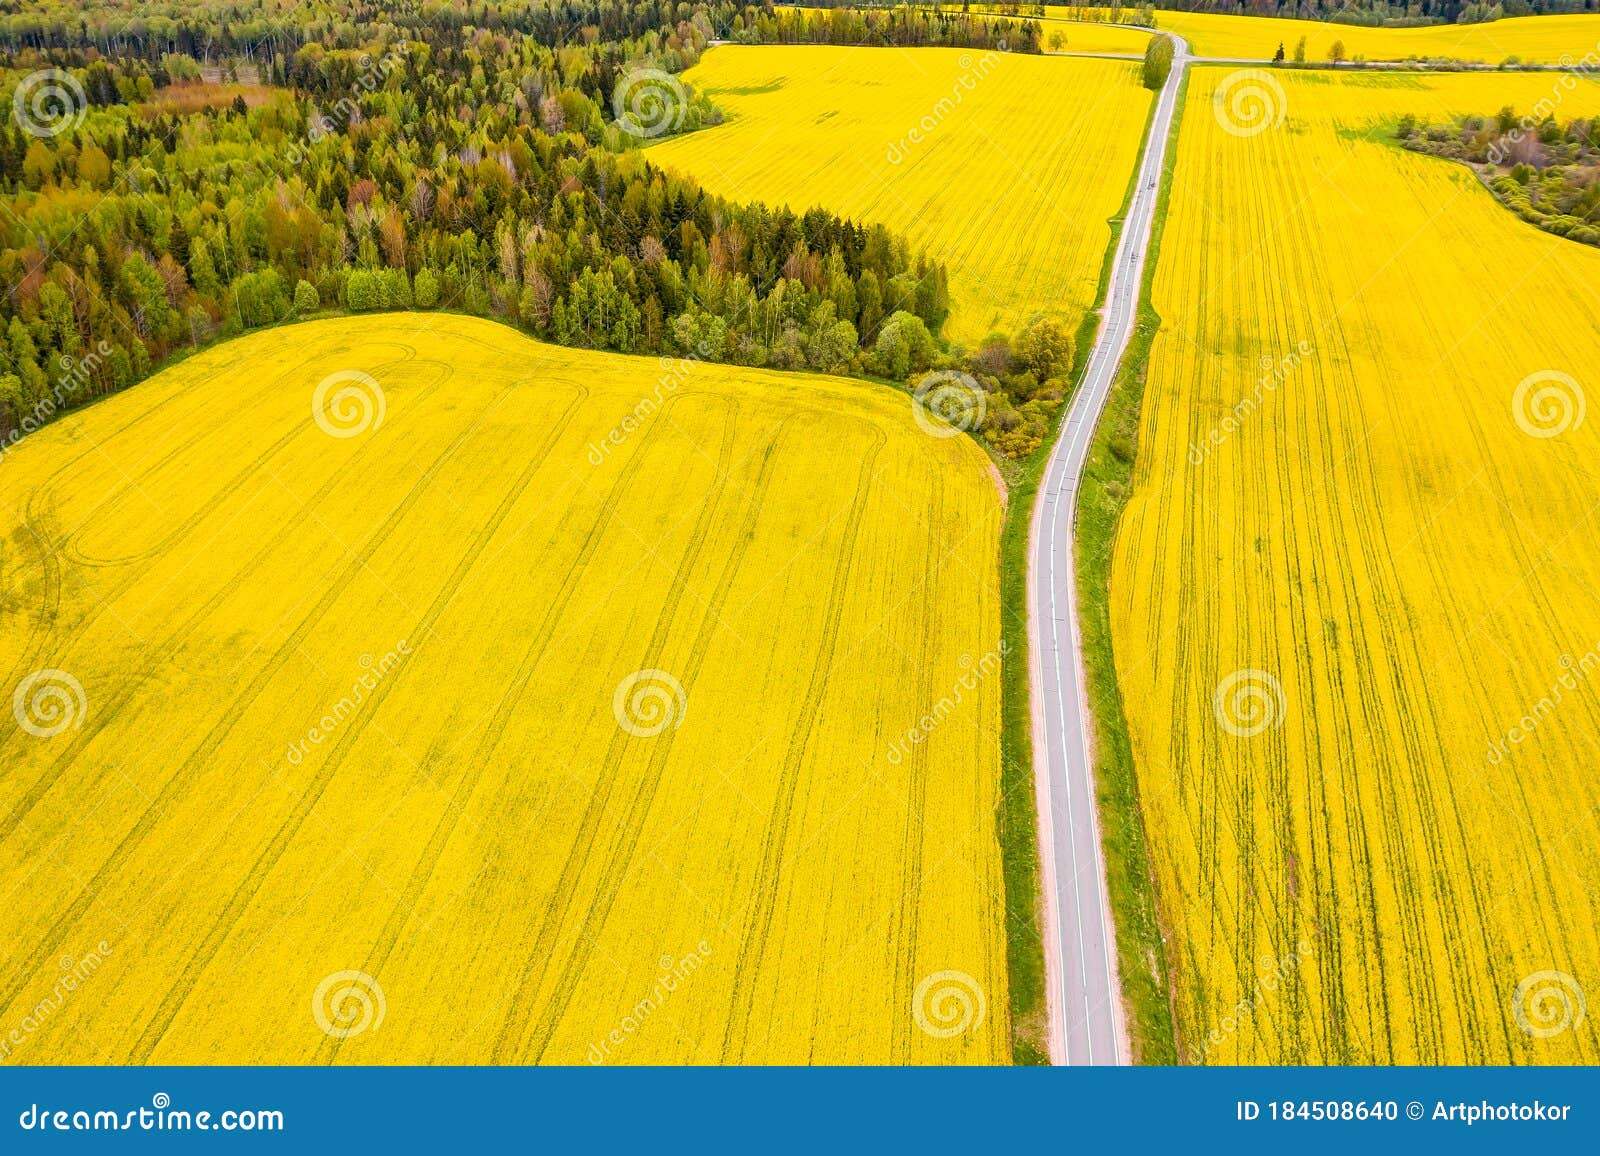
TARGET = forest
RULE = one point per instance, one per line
(178, 174)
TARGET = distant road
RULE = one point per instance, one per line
(1080, 954)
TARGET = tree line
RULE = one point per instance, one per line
(1369, 13)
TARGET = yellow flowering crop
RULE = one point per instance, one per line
(397, 689)
(1354, 590)
(1536, 39)
(1006, 167)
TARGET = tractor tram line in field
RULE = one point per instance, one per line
(621, 859)
(172, 644)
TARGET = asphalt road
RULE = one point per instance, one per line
(1086, 1025)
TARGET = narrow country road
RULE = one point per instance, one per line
(1080, 955)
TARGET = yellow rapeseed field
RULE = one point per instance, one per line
(401, 690)
(1107, 39)
(1536, 39)
(1353, 595)
(1005, 167)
